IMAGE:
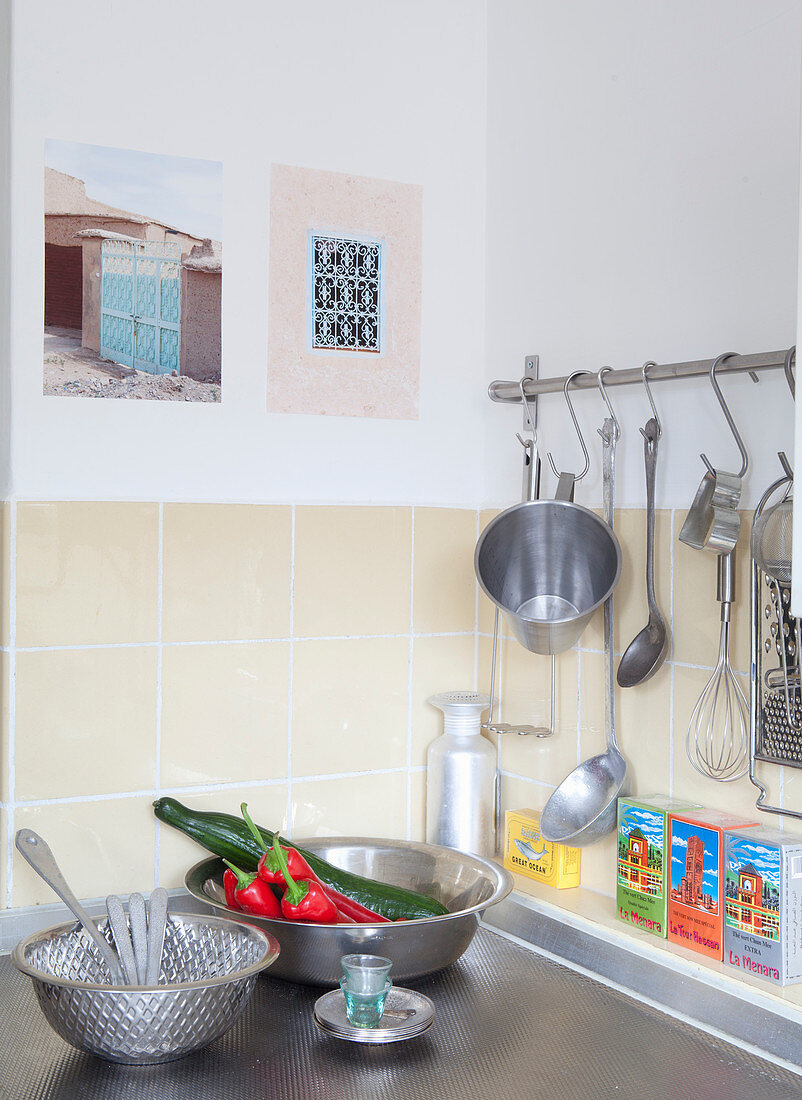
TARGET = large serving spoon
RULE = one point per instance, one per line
(138, 916)
(646, 652)
(37, 852)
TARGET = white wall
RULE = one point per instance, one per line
(643, 180)
(642, 189)
(394, 91)
(5, 245)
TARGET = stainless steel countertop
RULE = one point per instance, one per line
(510, 1023)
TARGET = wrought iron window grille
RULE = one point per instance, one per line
(345, 293)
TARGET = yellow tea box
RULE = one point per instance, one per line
(527, 853)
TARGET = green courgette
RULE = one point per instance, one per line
(229, 838)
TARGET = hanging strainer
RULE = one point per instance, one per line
(772, 541)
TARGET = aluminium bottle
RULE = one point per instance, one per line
(461, 779)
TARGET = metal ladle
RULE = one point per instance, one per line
(646, 652)
(583, 809)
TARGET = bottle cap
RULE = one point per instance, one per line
(462, 710)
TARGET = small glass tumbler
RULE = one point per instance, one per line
(365, 984)
(364, 1009)
(365, 973)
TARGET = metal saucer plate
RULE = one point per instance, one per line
(417, 1014)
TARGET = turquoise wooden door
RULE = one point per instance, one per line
(140, 304)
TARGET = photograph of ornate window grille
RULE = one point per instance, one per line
(345, 294)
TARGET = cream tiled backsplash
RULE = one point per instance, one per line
(283, 656)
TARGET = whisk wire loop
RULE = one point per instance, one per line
(717, 739)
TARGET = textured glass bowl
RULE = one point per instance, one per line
(208, 971)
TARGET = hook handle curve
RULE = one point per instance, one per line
(586, 467)
(603, 392)
(728, 415)
(525, 401)
(790, 361)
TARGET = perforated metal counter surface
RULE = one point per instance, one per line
(509, 1024)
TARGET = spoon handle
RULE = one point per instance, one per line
(139, 934)
(608, 434)
(650, 438)
(157, 923)
(122, 937)
(37, 852)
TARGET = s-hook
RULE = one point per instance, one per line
(728, 415)
(648, 388)
(574, 477)
(603, 392)
(531, 478)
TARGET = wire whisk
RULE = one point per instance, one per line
(717, 741)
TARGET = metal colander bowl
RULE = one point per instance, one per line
(209, 968)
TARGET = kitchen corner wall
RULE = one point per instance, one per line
(222, 653)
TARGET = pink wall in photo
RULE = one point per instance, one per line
(341, 383)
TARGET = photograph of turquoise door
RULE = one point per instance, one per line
(140, 304)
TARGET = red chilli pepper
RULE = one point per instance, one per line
(253, 895)
(305, 899)
(230, 886)
(269, 867)
(270, 870)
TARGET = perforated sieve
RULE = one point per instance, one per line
(772, 541)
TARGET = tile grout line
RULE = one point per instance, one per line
(12, 699)
(290, 674)
(410, 665)
(528, 779)
(203, 788)
(159, 682)
(679, 664)
(235, 641)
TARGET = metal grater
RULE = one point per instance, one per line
(775, 740)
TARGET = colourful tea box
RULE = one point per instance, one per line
(527, 853)
(696, 893)
(763, 904)
(643, 872)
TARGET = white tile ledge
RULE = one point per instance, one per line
(580, 930)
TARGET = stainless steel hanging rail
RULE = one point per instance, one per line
(510, 392)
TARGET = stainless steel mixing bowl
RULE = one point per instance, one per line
(209, 967)
(311, 953)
